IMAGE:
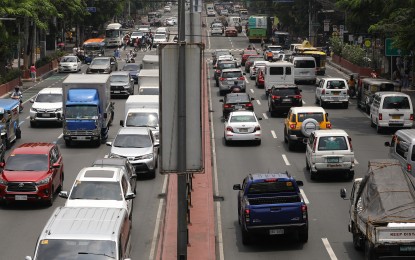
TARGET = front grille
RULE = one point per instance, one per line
(21, 187)
(115, 88)
(46, 114)
(82, 132)
(97, 70)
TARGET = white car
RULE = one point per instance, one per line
(255, 67)
(211, 13)
(70, 63)
(47, 106)
(330, 150)
(167, 9)
(107, 187)
(216, 28)
(159, 38)
(224, 12)
(333, 91)
(171, 21)
(242, 126)
(222, 58)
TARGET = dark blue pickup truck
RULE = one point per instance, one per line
(271, 204)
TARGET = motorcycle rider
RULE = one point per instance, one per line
(17, 94)
(235, 88)
(352, 86)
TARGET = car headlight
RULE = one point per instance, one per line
(113, 155)
(34, 109)
(3, 182)
(145, 156)
(58, 109)
(44, 181)
(127, 86)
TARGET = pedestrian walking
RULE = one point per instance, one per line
(33, 72)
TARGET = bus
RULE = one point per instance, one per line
(114, 35)
(92, 48)
(281, 38)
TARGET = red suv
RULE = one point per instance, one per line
(33, 172)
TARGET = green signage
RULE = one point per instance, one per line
(390, 50)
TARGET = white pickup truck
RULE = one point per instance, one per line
(382, 211)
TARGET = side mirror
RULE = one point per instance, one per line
(387, 144)
(108, 143)
(237, 187)
(343, 193)
(300, 90)
(131, 79)
(32, 100)
(56, 166)
(244, 73)
(300, 183)
(112, 63)
(259, 118)
(63, 194)
(121, 122)
(129, 196)
(28, 258)
(141, 66)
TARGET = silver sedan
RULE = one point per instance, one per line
(242, 126)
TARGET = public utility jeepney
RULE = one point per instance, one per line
(9, 122)
(93, 48)
(369, 86)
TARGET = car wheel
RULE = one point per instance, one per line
(291, 145)
(349, 175)
(306, 164)
(33, 124)
(258, 142)
(221, 92)
(61, 182)
(303, 234)
(371, 123)
(68, 143)
(379, 129)
(18, 133)
(227, 142)
(356, 239)
(152, 174)
(246, 239)
(8, 144)
(317, 101)
(322, 103)
(49, 201)
(370, 253)
(313, 175)
(346, 105)
(285, 136)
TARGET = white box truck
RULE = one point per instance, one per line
(148, 77)
(150, 62)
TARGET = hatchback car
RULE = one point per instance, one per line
(32, 172)
(332, 91)
(211, 13)
(330, 151)
(250, 61)
(301, 122)
(283, 97)
(227, 79)
(121, 163)
(139, 146)
(216, 29)
(102, 65)
(255, 67)
(47, 106)
(133, 69)
(236, 101)
(70, 63)
(231, 31)
(121, 84)
(221, 65)
(242, 126)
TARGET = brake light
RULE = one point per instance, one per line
(269, 54)
(275, 97)
(323, 92)
(271, 180)
(408, 167)
(241, 78)
(297, 97)
(380, 116)
(217, 71)
(247, 217)
(229, 128)
(304, 211)
(293, 126)
(411, 117)
(227, 106)
(328, 125)
(257, 128)
(221, 79)
(351, 146)
(248, 105)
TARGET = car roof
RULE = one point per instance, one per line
(109, 174)
(391, 93)
(51, 91)
(133, 130)
(279, 86)
(259, 62)
(232, 70)
(110, 161)
(330, 132)
(33, 148)
(120, 72)
(262, 176)
(332, 79)
(69, 56)
(241, 112)
(307, 109)
(274, 46)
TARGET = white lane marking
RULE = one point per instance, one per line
(106, 156)
(60, 136)
(21, 123)
(304, 102)
(252, 91)
(355, 161)
(306, 201)
(215, 177)
(284, 157)
(27, 117)
(328, 248)
(265, 115)
(246, 80)
(158, 220)
(259, 102)
(274, 134)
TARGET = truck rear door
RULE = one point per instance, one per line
(275, 213)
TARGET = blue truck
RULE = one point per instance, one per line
(87, 109)
(9, 124)
(271, 204)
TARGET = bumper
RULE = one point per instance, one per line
(45, 117)
(265, 230)
(120, 92)
(230, 136)
(224, 88)
(285, 106)
(335, 100)
(40, 193)
(67, 69)
(333, 167)
(143, 166)
(396, 124)
(296, 136)
(305, 78)
(82, 138)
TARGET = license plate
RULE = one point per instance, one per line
(117, 92)
(396, 117)
(237, 107)
(20, 197)
(286, 100)
(81, 138)
(45, 115)
(407, 248)
(276, 232)
(336, 93)
(303, 72)
(333, 160)
(243, 130)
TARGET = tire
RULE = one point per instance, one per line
(152, 174)
(371, 123)
(308, 126)
(356, 240)
(227, 142)
(258, 142)
(33, 124)
(49, 202)
(61, 182)
(221, 93)
(306, 165)
(68, 143)
(246, 239)
(291, 145)
(303, 235)
(349, 175)
(18, 133)
(346, 105)
(322, 103)
(285, 136)
(313, 175)
(379, 129)
(370, 253)
(8, 143)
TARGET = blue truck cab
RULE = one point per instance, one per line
(9, 123)
(271, 204)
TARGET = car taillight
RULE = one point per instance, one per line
(247, 217)
(297, 97)
(241, 78)
(293, 126)
(229, 128)
(257, 128)
(351, 146)
(328, 125)
(323, 92)
(221, 79)
(227, 106)
(380, 116)
(217, 71)
(411, 117)
(408, 167)
(316, 71)
(304, 211)
(248, 105)
(275, 97)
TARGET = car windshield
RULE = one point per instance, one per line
(243, 119)
(132, 141)
(81, 112)
(274, 48)
(131, 67)
(232, 74)
(221, 53)
(271, 187)
(68, 59)
(217, 25)
(336, 84)
(100, 62)
(119, 78)
(76, 249)
(96, 190)
(149, 91)
(240, 98)
(160, 36)
(227, 65)
(27, 162)
(285, 91)
(396, 102)
(327, 143)
(142, 119)
(315, 115)
(49, 98)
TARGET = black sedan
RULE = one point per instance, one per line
(283, 97)
(133, 69)
(236, 101)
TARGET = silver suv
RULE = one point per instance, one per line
(227, 79)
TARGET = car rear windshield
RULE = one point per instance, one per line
(233, 74)
(119, 78)
(285, 91)
(396, 102)
(271, 187)
(254, 58)
(132, 141)
(237, 99)
(242, 118)
(27, 162)
(317, 116)
(96, 190)
(329, 143)
(68, 59)
(304, 64)
(279, 71)
(336, 84)
(227, 65)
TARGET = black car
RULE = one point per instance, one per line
(282, 98)
(133, 69)
(121, 163)
(236, 101)
(225, 64)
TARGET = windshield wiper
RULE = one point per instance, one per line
(86, 253)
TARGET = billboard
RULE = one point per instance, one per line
(257, 22)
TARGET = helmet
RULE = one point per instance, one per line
(17, 88)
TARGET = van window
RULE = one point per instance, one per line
(396, 102)
(413, 153)
(276, 71)
(317, 116)
(304, 64)
(402, 147)
(287, 70)
(332, 143)
(336, 84)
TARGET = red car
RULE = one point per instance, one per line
(259, 80)
(33, 172)
(245, 54)
(231, 31)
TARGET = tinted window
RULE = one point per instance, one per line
(285, 91)
(27, 162)
(237, 98)
(233, 74)
(119, 78)
(227, 65)
(49, 98)
(270, 187)
(100, 62)
(69, 59)
(276, 70)
(288, 71)
(96, 190)
(396, 102)
(244, 118)
(131, 67)
(305, 64)
(317, 116)
(336, 84)
(332, 143)
(402, 147)
(142, 119)
(253, 58)
(132, 141)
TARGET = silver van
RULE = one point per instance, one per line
(304, 69)
(402, 148)
(71, 232)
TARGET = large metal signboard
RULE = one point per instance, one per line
(168, 56)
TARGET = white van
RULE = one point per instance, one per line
(391, 110)
(71, 232)
(278, 73)
(304, 69)
(402, 148)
